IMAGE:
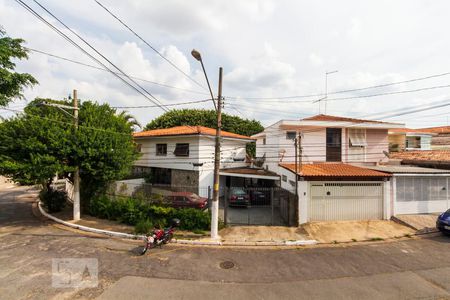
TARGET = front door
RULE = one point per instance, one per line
(334, 144)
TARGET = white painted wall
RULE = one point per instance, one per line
(201, 150)
(439, 198)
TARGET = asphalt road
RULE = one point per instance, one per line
(404, 269)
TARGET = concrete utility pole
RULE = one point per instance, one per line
(216, 187)
(296, 166)
(76, 177)
(215, 202)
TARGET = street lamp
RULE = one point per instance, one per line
(198, 57)
(215, 200)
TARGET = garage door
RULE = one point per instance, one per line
(416, 195)
(332, 201)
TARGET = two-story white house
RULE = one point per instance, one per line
(331, 175)
(184, 155)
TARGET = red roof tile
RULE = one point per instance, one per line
(409, 130)
(334, 170)
(323, 117)
(440, 129)
(428, 155)
(188, 130)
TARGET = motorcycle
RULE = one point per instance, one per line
(160, 236)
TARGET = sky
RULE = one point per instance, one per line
(271, 53)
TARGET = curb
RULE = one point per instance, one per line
(175, 241)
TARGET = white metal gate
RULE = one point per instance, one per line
(332, 201)
(421, 194)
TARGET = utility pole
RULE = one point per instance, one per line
(296, 166)
(76, 177)
(215, 201)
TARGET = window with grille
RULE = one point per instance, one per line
(291, 135)
(284, 178)
(181, 149)
(161, 149)
(357, 137)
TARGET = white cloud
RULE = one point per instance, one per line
(267, 48)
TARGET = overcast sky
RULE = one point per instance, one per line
(271, 49)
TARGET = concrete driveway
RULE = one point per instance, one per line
(348, 231)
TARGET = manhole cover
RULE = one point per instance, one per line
(227, 264)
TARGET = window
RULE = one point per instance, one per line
(357, 137)
(181, 149)
(284, 178)
(264, 141)
(161, 149)
(139, 147)
(291, 135)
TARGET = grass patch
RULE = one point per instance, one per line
(198, 231)
(407, 235)
(354, 240)
(374, 239)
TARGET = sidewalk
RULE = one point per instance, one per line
(423, 223)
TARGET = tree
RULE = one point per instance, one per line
(12, 83)
(207, 118)
(42, 142)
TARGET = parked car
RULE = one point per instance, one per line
(238, 197)
(259, 198)
(186, 200)
(443, 222)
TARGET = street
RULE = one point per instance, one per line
(415, 268)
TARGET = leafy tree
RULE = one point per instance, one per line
(42, 142)
(207, 118)
(12, 83)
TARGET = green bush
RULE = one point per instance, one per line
(135, 212)
(53, 200)
(143, 226)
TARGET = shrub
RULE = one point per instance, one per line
(135, 212)
(53, 200)
(143, 226)
(192, 219)
(100, 206)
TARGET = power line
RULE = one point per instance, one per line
(33, 12)
(342, 91)
(102, 69)
(155, 100)
(173, 104)
(150, 46)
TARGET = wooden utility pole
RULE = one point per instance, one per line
(215, 201)
(76, 177)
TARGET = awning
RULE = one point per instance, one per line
(247, 172)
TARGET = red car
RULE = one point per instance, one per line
(187, 200)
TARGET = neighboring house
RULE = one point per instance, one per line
(333, 182)
(405, 139)
(439, 159)
(183, 156)
(441, 137)
(417, 190)
(324, 139)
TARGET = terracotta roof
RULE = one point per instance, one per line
(426, 155)
(188, 130)
(440, 129)
(408, 130)
(334, 170)
(323, 117)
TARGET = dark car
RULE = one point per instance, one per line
(259, 198)
(239, 197)
(187, 200)
(443, 222)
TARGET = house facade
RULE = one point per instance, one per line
(184, 155)
(331, 177)
(405, 139)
